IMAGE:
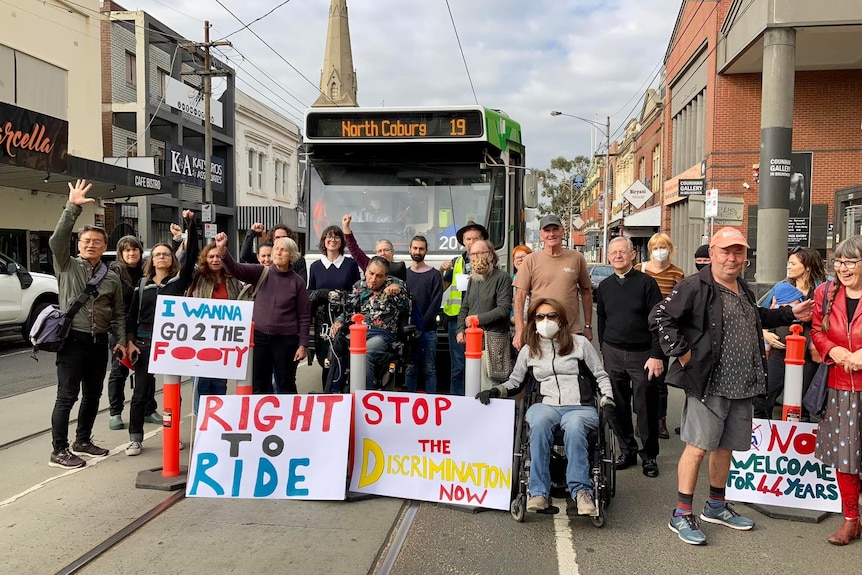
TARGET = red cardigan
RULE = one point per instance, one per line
(837, 336)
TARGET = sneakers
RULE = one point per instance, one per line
(154, 417)
(87, 448)
(585, 503)
(537, 503)
(688, 529)
(65, 459)
(116, 422)
(134, 448)
(727, 516)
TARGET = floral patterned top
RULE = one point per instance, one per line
(380, 309)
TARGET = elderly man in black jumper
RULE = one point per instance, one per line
(632, 354)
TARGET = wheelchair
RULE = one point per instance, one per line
(601, 446)
(388, 374)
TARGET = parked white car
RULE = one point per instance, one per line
(23, 295)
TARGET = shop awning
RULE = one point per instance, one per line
(648, 218)
(270, 216)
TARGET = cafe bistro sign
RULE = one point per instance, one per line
(32, 140)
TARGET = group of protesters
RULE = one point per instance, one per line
(704, 334)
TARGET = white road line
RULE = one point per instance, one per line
(15, 353)
(567, 559)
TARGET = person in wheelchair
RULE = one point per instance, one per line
(382, 299)
(553, 353)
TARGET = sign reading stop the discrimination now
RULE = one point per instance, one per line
(271, 447)
(433, 448)
(203, 337)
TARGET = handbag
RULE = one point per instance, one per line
(52, 325)
(815, 398)
(496, 357)
(249, 290)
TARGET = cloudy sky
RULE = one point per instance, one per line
(590, 58)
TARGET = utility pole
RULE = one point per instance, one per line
(207, 74)
(607, 180)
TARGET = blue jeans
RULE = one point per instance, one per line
(377, 343)
(456, 359)
(427, 354)
(576, 421)
(208, 386)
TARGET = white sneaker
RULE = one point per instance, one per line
(585, 503)
(134, 448)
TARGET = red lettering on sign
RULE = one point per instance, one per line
(213, 404)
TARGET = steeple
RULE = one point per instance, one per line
(338, 78)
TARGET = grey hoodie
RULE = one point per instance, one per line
(558, 374)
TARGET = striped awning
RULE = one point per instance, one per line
(269, 216)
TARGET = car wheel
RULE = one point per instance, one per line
(31, 319)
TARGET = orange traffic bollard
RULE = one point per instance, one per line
(244, 387)
(171, 426)
(794, 359)
(473, 357)
(358, 349)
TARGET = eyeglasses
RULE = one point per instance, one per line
(849, 264)
(91, 242)
(384, 250)
(161, 255)
(480, 254)
(335, 238)
(551, 315)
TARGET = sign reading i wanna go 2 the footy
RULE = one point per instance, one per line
(271, 447)
(433, 448)
(203, 337)
(780, 469)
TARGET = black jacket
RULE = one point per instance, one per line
(690, 318)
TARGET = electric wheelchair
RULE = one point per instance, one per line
(600, 450)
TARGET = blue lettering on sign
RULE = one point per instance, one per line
(205, 462)
(217, 311)
(168, 305)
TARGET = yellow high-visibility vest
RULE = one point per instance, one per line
(452, 304)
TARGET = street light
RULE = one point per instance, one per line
(607, 133)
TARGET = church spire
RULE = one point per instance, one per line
(338, 78)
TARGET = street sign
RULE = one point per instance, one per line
(637, 194)
(210, 231)
(710, 204)
(206, 213)
(579, 222)
(578, 182)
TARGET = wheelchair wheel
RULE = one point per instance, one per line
(599, 520)
(608, 464)
(518, 508)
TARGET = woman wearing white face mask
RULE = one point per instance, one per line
(666, 275)
(554, 353)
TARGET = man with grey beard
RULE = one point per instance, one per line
(488, 295)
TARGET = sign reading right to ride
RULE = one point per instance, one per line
(381, 125)
(433, 448)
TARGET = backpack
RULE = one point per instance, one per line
(249, 291)
(52, 325)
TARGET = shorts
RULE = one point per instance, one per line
(717, 423)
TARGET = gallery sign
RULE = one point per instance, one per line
(692, 187)
(188, 166)
(190, 100)
(33, 140)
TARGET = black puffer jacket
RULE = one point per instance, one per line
(690, 318)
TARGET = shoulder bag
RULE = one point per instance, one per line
(815, 398)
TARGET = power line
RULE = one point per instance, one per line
(256, 20)
(271, 79)
(274, 51)
(464, 58)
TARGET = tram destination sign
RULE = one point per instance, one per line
(394, 125)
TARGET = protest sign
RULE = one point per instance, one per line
(203, 337)
(271, 447)
(433, 448)
(780, 469)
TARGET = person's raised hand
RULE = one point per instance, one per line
(176, 230)
(345, 223)
(484, 397)
(78, 193)
(257, 228)
(221, 241)
(188, 214)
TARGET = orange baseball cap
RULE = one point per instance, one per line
(726, 237)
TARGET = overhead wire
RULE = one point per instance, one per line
(461, 49)
(255, 20)
(270, 78)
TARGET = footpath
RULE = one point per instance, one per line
(50, 517)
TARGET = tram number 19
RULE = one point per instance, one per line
(457, 127)
(448, 243)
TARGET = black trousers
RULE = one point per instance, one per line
(633, 389)
(274, 354)
(117, 388)
(764, 406)
(81, 366)
(143, 393)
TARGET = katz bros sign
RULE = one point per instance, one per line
(433, 448)
(203, 337)
(188, 166)
(271, 447)
(780, 469)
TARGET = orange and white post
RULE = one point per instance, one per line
(473, 357)
(794, 360)
(171, 426)
(358, 349)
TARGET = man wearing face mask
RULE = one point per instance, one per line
(632, 354)
(488, 296)
(701, 257)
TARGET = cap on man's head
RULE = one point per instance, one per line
(726, 237)
(550, 220)
(702, 251)
(471, 225)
